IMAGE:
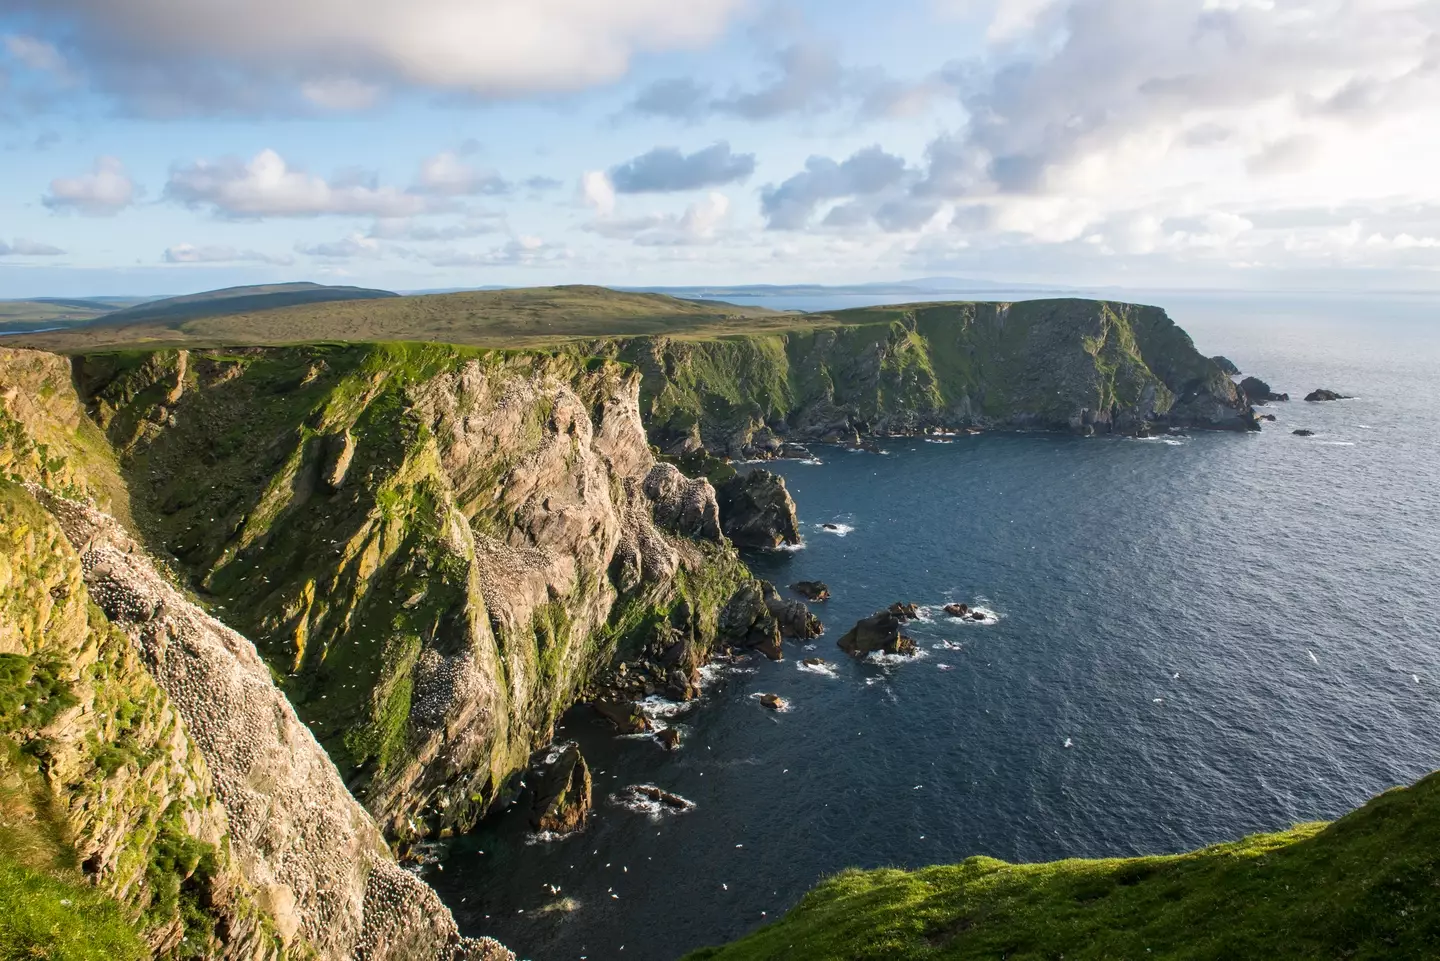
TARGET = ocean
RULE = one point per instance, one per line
(1194, 638)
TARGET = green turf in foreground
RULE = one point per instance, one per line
(1365, 887)
(42, 916)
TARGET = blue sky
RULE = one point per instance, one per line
(160, 146)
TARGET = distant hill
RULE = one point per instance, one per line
(174, 311)
(523, 317)
(48, 311)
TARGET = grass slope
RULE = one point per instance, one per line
(1364, 887)
(30, 314)
(483, 318)
(230, 301)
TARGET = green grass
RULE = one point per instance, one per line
(490, 318)
(1365, 887)
(59, 919)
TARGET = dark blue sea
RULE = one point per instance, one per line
(1195, 638)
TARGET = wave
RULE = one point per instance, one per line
(656, 706)
(1162, 439)
(839, 530)
(938, 440)
(790, 548)
(881, 659)
(811, 462)
(651, 801)
(825, 670)
(1336, 443)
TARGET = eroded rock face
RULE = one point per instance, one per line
(294, 829)
(682, 505)
(756, 510)
(792, 617)
(747, 622)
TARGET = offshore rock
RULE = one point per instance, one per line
(756, 510)
(626, 716)
(1226, 365)
(878, 632)
(298, 834)
(811, 590)
(563, 791)
(1257, 391)
(1316, 396)
(746, 621)
(793, 617)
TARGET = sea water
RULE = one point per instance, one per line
(1193, 638)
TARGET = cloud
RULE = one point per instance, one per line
(520, 251)
(179, 56)
(698, 224)
(402, 229)
(865, 173)
(216, 254)
(597, 191)
(35, 54)
(347, 248)
(805, 77)
(539, 183)
(446, 174)
(267, 187)
(28, 248)
(666, 169)
(106, 190)
(676, 98)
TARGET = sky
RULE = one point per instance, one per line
(167, 146)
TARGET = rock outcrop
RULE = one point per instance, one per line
(756, 510)
(882, 631)
(1321, 394)
(811, 590)
(1259, 392)
(792, 617)
(1226, 365)
(562, 791)
(313, 854)
(749, 623)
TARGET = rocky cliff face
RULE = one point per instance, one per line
(1084, 366)
(437, 549)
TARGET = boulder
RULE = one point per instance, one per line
(338, 450)
(1257, 391)
(682, 686)
(1226, 365)
(878, 632)
(756, 510)
(670, 738)
(563, 795)
(773, 701)
(811, 590)
(661, 797)
(976, 616)
(957, 610)
(1303, 432)
(903, 610)
(625, 715)
(815, 662)
(793, 617)
(1321, 394)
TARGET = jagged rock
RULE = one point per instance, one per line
(1303, 432)
(746, 621)
(338, 451)
(811, 590)
(562, 787)
(1226, 365)
(878, 632)
(1257, 391)
(669, 738)
(773, 701)
(815, 662)
(793, 617)
(682, 686)
(756, 510)
(661, 797)
(904, 610)
(682, 505)
(626, 716)
(1321, 394)
(957, 610)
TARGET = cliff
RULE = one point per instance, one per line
(158, 796)
(1362, 887)
(1075, 365)
(436, 549)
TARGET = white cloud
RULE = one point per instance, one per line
(341, 93)
(597, 191)
(492, 48)
(105, 190)
(699, 223)
(218, 254)
(520, 251)
(447, 174)
(347, 248)
(35, 54)
(21, 247)
(267, 187)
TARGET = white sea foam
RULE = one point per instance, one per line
(656, 706)
(1336, 443)
(791, 548)
(784, 708)
(882, 659)
(632, 800)
(938, 440)
(547, 837)
(947, 646)
(811, 462)
(839, 530)
(825, 670)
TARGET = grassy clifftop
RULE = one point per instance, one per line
(1364, 887)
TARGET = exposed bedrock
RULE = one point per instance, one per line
(881, 631)
(756, 510)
